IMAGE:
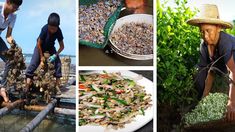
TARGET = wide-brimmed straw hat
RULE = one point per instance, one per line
(209, 14)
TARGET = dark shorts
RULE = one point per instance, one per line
(35, 62)
(3, 47)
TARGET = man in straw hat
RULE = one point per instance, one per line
(216, 51)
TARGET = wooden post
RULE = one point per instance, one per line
(38, 119)
(10, 107)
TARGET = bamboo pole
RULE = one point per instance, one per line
(38, 119)
(9, 107)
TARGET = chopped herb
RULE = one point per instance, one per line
(105, 72)
(81, 93)
(119, 86)
(142, 111)
(93, 108)
(106, 81)
(106, 105)
(82, 122)
(113, 81)
(106, 97)
(141, 96)
(95, 88)
(131, 83)
(120, 101)
(81, 78)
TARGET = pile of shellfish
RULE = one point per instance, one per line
(16, 61)
(92, 19)
(134, 38)
(44, 79)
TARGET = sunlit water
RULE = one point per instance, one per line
(15, 121)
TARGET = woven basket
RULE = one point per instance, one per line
(66, 61)
(216, 124)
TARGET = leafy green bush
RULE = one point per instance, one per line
(231, 31)
(177, 53)
(210, 108)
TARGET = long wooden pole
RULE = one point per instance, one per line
(38, 119)
(57, 110)
(64, 111)
(9, 107)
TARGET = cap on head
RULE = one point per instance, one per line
(209, 14)
(53, 20)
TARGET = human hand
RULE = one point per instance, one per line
(12, 43)
(52, 58)
(134, 3)
(42, 62)
(230, 115)
(137, 6)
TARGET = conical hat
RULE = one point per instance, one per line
(209, 14)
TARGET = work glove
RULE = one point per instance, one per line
(52, 58)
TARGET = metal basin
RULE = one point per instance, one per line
(137, 18)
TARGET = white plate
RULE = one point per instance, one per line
(140, 120)
(138, 18)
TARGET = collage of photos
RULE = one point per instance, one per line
(78, 66)
(116, 33)
(195, 66)
(38, 66)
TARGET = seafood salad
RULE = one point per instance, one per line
(110, 100)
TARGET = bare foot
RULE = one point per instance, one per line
(58, 92)
(4, 95)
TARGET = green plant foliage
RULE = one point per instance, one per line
(177, 53)
(231, 31)
(210, 108)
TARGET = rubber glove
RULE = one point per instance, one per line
(52, 58)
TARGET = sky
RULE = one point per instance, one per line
(33, 15)
(226, 7)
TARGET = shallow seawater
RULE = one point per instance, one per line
(16, 120)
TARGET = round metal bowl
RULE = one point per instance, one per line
(137, 18)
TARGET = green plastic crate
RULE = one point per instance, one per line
(107, 28)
